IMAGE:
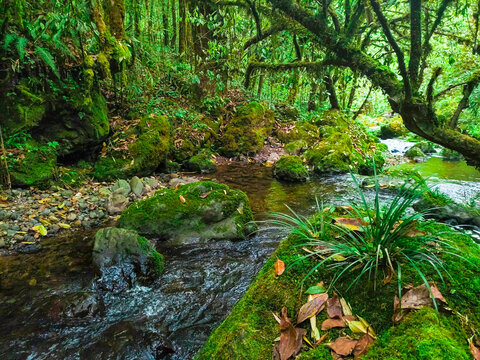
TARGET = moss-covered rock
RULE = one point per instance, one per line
(290, 168)
(202, 163)
(190, 139)
(79, 125)
(246, 132)
(393, 128)
(333, 118)
(139, 150)
(296, 147)
(32, 166)
(297, 131)
(414, 152)
(21, 110)
(125, 255)
(204, 209)
(451, 155)
(333, 154)
(250, 330)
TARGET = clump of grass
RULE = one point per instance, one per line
(384, 242)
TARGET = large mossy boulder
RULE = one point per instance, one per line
(205, 210)
(291, 169)
(246, 133)
(250, 330)
(414, 153)
(34, 165)
(333, 154)
(79, 125)
(393, 128)
(21, 110)
(122, 257)
(138, 150)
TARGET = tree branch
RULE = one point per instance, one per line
(463, 104)
(394, 45)
(415, 41)
(264, 34)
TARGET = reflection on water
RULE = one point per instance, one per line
(443, 169)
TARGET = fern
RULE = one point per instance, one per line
(21, 47)
(9, 39)
(47, 58)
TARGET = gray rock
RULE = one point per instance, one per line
(104, 191)
(122, 185)
(152, 182)
(66, 193)
(117, 202)
(137, 186)
(121, 257)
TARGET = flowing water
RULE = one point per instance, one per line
(50, 309)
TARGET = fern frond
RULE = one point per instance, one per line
(21, 47)
(47, 58)
(9, 39)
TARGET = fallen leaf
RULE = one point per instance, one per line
(474, 350)
(65, 226)
(182, 199)
(40, 229)
(419, 297)
(343, 346)
(291, 338)
(415, 232)
(279, 267)
(313, 325)
(312, 308)
(316, 289)
(332, 323)
(353, 224)
(345, 307)
(362, 346)
(368, 327)
(204, 195)
(334, 307)
(322, 339)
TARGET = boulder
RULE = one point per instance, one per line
(291, 169)
(414, 152)
(145, 149)
(204, 210)
(122, 186)
(246, 133)
(137, 186)
(202, 163)
(122, 257)
(117, 202)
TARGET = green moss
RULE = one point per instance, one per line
(246, 132)
(424, 335)
(250, 329)
(199, 209)
(148, 150)
(156, 260)
(414, 152)
(296, 147)
(290, 168)
(21, 111)
(393, 128)
(334, 154)
(333, 118)
(34, 168)
(297, 131)
(201, 162)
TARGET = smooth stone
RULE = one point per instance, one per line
(137, 186)
(117, 202)
(122, 185)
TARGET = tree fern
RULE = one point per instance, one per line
(47, 58)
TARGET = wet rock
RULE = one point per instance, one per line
(117, 202)
(290, 168)
(204, 210)
(121, 256)
(122, 185)
(137, 186)
(82, 304)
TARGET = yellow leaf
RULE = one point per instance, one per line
(345, 308)
(357, 327)
(40, 229)
(240, 210)
(339, 257)
(269, 164)
(182, 199)
(315, 331)
(45, 222)
(65, 226)
(368, 326)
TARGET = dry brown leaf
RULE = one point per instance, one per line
(291, 338)
(332, 323)
(475, 350)
(351, 223)
(419, 297)
(334, 307)
(322, 339)
(279, 267)
(312, 308)
(343, 346)
(204, 195)
(362, 346)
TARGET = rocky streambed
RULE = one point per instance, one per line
(53, 307)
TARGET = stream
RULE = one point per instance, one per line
(50, 308)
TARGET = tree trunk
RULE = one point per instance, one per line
(182, 28)
(173, 42)
(332, 94)
(165, 22)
